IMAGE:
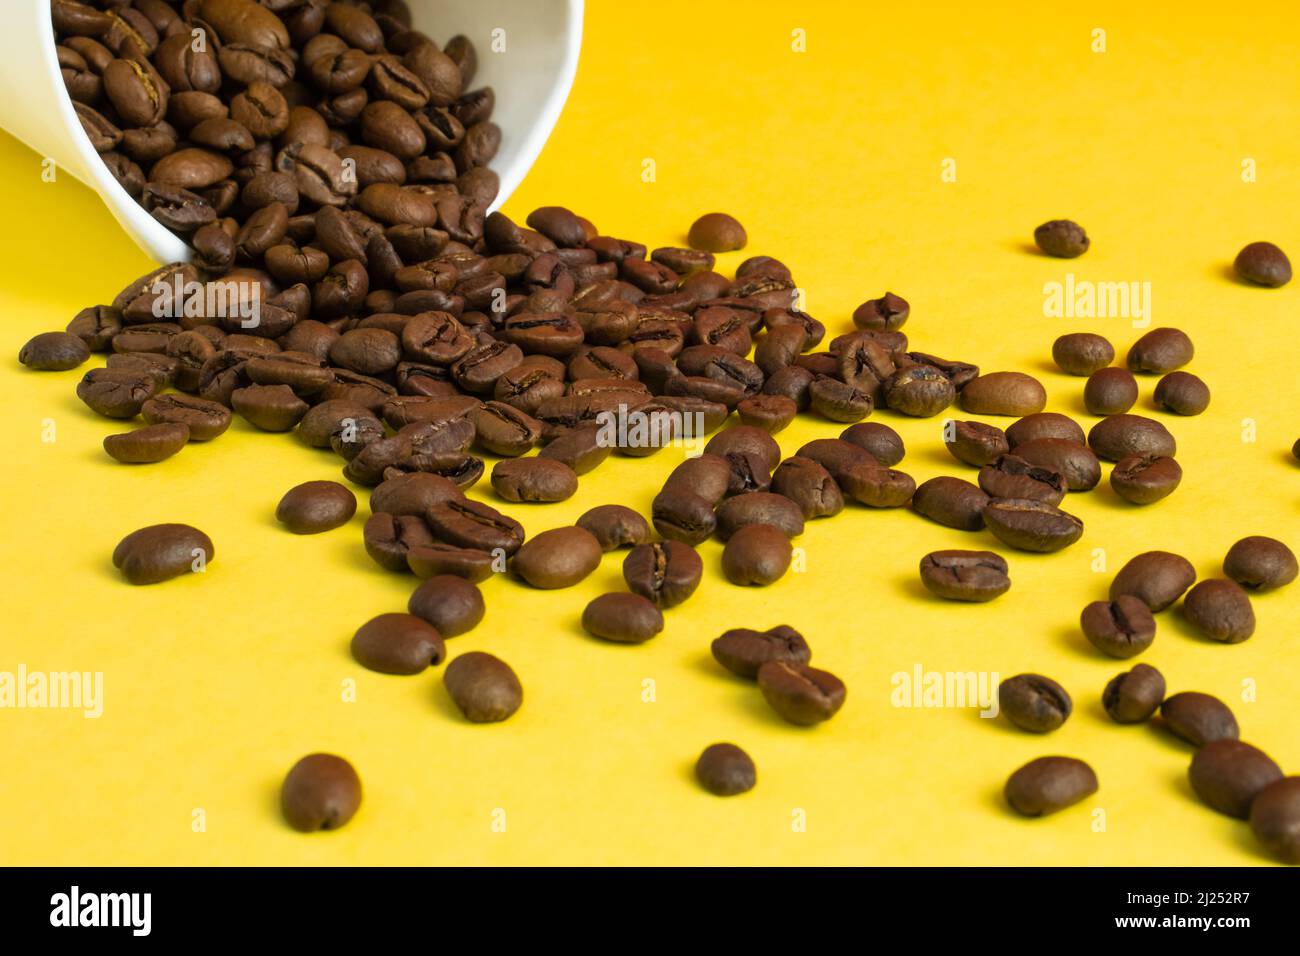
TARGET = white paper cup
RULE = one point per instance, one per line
(527, 52)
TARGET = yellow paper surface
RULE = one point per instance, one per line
(835, 159)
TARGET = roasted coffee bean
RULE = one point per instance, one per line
(472, 524)
(1121, 628)
(1033, 702)
(1044, 425)
(316, 506)
(1004, 393)
(205, 420)
(116, 393)
(533, 479)
(756, 554)
(743, 650)
(1031, 525)
(684, 516)
(666, 573)
(759, 507)
(321, 791)
(149, 444)
(809, 486)
(1061, 238)
(388, 539)
(1133, 696)
(434, 558)
(717, 232)
(272, 408)
(1275, 818)
(1075, 462)
(504, 430)
(887, 313)
(1110, 391)
(622, 618)
(1220, 610)
(1263, 263)
(1082, 353)
(580, 448)
(485, 688)
(1260, 563)
(1010, 476)
(1182, 393)
(615, 526)
(974, 443)
(1158, 578)
(449, 602)
(558, 558)
(745, 439)
(800, 694)
(1198, 718)
(1048, 784)
(965, 575)
(1228, 774)
(162, 551)
(1144, 479)
(918, 390)
(880, 441)
(952, 502)
(1159, 351)
(54, 352)
(1123, 436)
(96, 326)
(772, 413)
(725, 770)
(398, 644)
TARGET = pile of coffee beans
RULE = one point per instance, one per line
(328, 164)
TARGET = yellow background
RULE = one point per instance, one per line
(832, 157)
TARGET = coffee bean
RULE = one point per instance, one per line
(743, 650)
(1228, 774)
(1159, 351)
(1004, 393)
(725, 770)
(427, 560)
(1158, 578)
(1010, 476)
(615, 526)
(1123, 436)
(1062, 239)
(205, 420)
(1044, 425)
(887, 313)
(759, 507)
(116, 393)
(484, 687)
(1144, 479)
(1082, 353)
(1048, 784)
(397, 644)
(1033, 702)
(533, 480)
(974, 443)
(666, 574)
(800, 694)
(54, 352)
(1275, 819)
(921, 391)
(450, 603)
(880, 441)
(1133, 696)
(1074, 461)
(756, 554)
(1122, 628)
(717, 232)
(742, 439)
(683, 516)
(472, 524)
(162, 551)
(622, 618)
(413, 493)
(1110, 391)
(1198, 718)
(809, 485)
(1263, 264)
(389, 537)
(1031, 525)
(772, 413)
(558, 558)
(1220, 610)
(151, 443)
(965, 575)
(1182, 393)
(320, 792)
(1260, 563)
(951, 502)
(316, 506)
(272, 408)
